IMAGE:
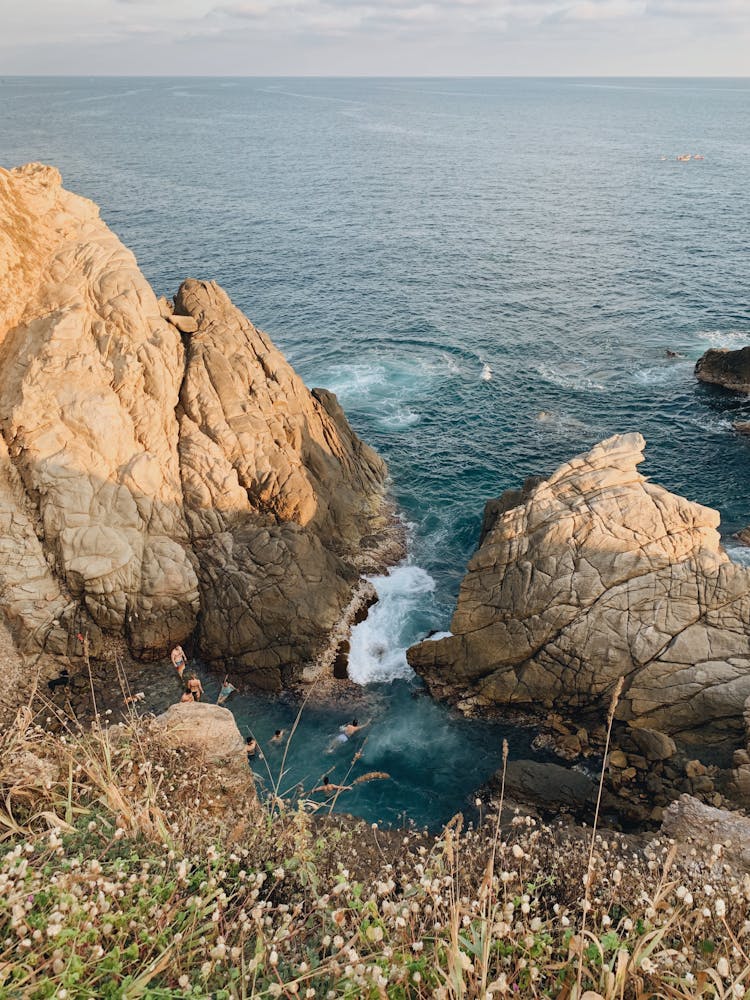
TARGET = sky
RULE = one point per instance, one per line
(376, 37)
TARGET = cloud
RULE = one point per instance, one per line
(604, 10)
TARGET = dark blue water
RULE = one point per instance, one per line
(487, 272)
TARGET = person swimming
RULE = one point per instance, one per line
(226, 690)
(330, 788)
(278, 736)
(346, 732)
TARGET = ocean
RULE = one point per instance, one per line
(488, 273)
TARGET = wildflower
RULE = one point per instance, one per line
(720, 908)
(722, 967)
(183, 982)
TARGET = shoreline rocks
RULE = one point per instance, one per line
(164, 473)
(592, 575)
(729, 369)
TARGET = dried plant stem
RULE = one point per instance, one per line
(589, 867)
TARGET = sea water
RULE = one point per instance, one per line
(488, 272)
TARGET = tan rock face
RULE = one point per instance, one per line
(592, 575)
(156, 463)
(210, 732)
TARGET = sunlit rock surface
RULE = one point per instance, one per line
(162, 468)
(591, 575)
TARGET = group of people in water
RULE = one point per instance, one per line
(193, 691)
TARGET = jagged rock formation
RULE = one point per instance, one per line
(592, 575)
(730, 369)
(162, 468)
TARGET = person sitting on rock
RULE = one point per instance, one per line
(187, 695)
(179, 660)
(195, 687)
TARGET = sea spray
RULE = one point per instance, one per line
(378, 644)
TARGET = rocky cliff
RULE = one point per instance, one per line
(163, 470)
(592, 575)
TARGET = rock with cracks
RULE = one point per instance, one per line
(163, 470)
(592, 575)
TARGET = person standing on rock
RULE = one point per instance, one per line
(195, 687)
(179, 660)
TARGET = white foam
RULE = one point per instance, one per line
(400, 416)
(486, 373)
(658, 375)
(379, 644)
(575, 380)
(726, 338)
(738, 553)
(438, 635)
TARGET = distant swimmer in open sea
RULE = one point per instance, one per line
(195, 687)
(179, 660)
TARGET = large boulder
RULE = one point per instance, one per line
(162, 468)
(730, 369)
(593, 575)
(208, 734)
(707, 833)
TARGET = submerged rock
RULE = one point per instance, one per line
(162, 468)
(730, 369)
(592, 575)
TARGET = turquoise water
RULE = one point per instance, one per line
(487, 272)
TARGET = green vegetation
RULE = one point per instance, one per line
(124, 874)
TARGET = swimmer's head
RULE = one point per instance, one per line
(354, 722)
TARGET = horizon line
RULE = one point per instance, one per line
(366, 76)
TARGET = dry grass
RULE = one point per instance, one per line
(118, 878)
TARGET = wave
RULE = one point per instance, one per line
(398, 418)
(378, 645)
(486, 373)
(726, 338)
(659, 374)
(738, 553)
(573, 380)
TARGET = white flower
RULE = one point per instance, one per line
(183, 982)
(720, 907)
(722, 967)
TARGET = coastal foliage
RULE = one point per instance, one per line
(121, 878)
